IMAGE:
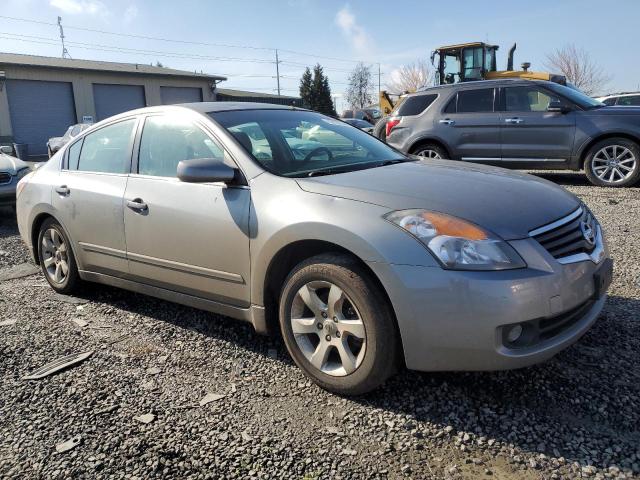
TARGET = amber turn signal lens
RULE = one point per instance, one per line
(454, 227)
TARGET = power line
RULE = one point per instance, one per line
(189, 42)
(180, 55)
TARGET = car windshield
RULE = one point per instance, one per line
(576, 96)
(297, 143)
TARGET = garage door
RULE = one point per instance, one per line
(39, 110)
(113, 99)
(171, 95)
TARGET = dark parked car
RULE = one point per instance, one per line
(368, 114)
(521, 124)
(361, 124)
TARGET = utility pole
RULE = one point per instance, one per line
(278, 71)
(65, 52)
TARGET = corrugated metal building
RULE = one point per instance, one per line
(41, 96)
(228, 95)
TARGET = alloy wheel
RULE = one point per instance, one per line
(55, 255)
(614, 163)
(328, 328)
(429, 154)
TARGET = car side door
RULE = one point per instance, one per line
(531, 135)
(191, 238)
(470, 125)
(88, 197)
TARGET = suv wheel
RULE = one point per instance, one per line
(614, 162)
(336, 325)
(56, 258)
(430, 150)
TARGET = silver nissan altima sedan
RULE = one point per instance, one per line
(364, 259)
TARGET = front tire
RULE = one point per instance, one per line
(613, 162)
(56, 258)
(337, 325)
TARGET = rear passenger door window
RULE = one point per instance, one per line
(74, 155)
(166, 141)
(107, 150)
(475, 101)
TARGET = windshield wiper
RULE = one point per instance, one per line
(329, 171)
(394, 161)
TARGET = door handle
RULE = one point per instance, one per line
(515, 120)
(137, 205)
(63, 190)
(447, 121)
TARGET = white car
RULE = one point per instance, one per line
(12, 170)
(56, 143)
(621, 100)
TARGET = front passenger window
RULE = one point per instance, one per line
(166, 141)
(528, 99)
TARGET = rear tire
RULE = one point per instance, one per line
(56, 258)
(431, 151)
(613, 162)
(347, 341)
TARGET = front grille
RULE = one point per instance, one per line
(571, 235)
(5, 178)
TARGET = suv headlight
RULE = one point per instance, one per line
(22, 172)
(456, 243)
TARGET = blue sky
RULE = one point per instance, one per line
(391, 33)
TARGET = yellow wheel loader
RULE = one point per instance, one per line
(466, 62)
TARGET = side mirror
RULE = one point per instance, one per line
(557, 107)
(6, 149)
(205, 170)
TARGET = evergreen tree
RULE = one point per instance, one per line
(324, 102)
(315, 91)
(306, 89)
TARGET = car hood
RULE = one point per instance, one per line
(615, 110)
(507, 203)
(11, 164)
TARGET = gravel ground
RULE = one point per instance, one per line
(577, 415)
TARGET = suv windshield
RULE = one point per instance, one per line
(295, 143)
(575, 95)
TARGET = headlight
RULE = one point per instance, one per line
(22, 172)
(456, 243)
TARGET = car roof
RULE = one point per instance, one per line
(202, 108)
(480, 84)
(207, 107)
(616, 95)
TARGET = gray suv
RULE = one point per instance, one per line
(521, 124)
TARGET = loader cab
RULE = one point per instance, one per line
(463, 62)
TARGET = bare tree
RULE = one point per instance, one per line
(576, 64)
(410, 78)
(360, 87)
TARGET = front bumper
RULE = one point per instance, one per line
(456, 320)
(8, 193)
